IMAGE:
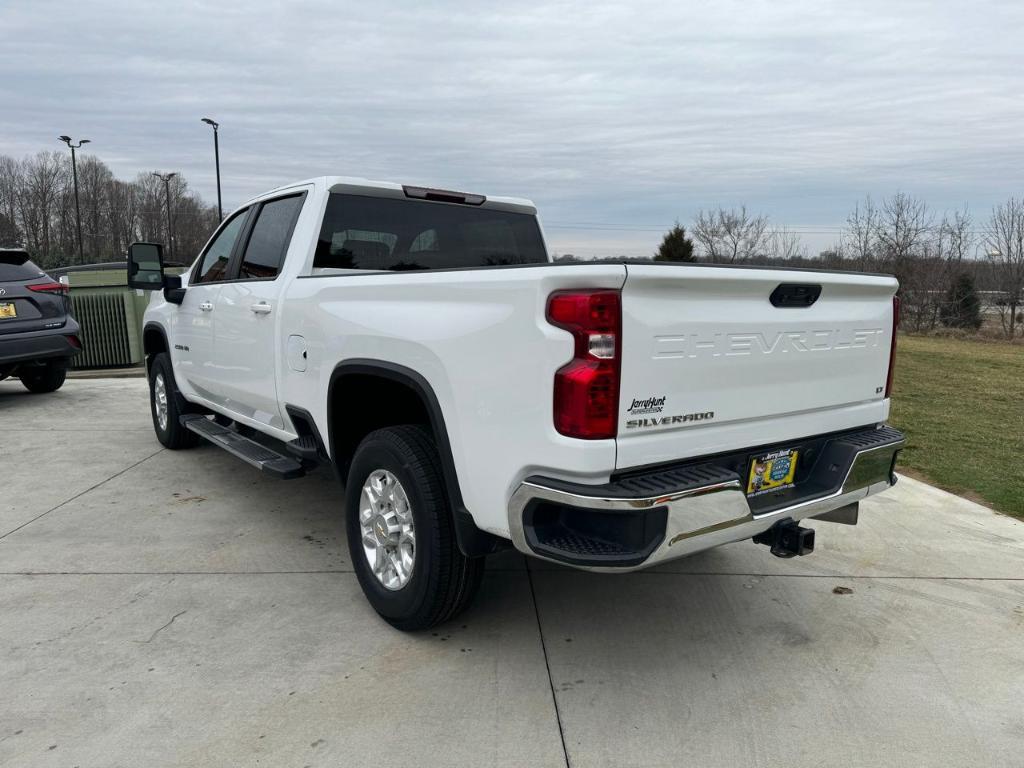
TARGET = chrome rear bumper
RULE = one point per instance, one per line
(707, 508)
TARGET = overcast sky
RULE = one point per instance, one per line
(616, 118)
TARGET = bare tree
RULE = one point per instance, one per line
(904, 238)
(39, 202)
(10, 185)
(1004, 245)
(37, 210)
(93, 180)
(122, 215)
(904, 225)
(784, 245)
(860, 240)
(956, 237)
(730, 236)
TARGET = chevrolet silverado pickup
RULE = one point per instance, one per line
(471, 395)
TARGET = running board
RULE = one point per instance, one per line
(258, 455)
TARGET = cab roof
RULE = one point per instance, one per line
(358, 185)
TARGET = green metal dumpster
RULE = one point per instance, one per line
(109, 312)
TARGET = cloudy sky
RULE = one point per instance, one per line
(615, 117)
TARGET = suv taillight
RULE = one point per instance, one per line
(57, 288)
(892, 344)
(587, 387)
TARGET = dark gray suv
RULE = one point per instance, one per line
(38, 336)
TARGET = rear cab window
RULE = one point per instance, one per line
(17, 267)
(381, 233)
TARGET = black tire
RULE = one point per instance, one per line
(48, 377)
(443, 581)
(171, 434)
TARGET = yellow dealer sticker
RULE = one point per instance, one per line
(772, 472)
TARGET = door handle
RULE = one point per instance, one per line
(261, 309)
(206, 306)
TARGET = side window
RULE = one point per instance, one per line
(215, 261)
(269, 240)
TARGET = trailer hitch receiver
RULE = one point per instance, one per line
(787, 539)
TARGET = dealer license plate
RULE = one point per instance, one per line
(772, 472)
(7, 310)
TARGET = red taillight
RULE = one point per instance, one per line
(59, 288)
(74, 342)
(587, 387)
(892, 346)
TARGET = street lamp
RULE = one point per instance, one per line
(166, 179)
(74, 173)
(216, 158)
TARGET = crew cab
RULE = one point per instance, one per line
(471, 395)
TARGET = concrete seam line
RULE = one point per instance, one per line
(797, 575)
(77, 495)
(547, 665)
(508, 570)
(54, 430)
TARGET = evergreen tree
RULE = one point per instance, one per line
(675, 246)
(962, 307)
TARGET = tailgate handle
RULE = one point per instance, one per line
(795, 295)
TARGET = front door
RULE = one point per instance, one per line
(248, 316)
(195, 321)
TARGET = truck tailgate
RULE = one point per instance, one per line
(710, 364)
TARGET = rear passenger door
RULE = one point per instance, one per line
(247, 338)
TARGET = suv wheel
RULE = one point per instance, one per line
(48, 377)
(166, 406)
(401, 537)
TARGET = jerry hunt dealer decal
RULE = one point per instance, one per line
(648, 405)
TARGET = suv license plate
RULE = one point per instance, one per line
(7, 310)
(772, 472)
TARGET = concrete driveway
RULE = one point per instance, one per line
(163, 608)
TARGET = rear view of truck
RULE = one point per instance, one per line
(741, 402)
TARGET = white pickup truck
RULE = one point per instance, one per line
(470, 394)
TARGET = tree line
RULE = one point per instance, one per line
(37, 210)
(942, 261)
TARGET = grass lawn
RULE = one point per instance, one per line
(961, 404)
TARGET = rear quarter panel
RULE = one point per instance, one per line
(480, 338)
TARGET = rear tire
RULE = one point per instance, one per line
(166, 405)
(425, 583)
(48, 377)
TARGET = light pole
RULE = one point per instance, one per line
(166, 179)
(216, 159)
(78, 210)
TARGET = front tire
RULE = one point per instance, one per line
(401, 537)
(48, 377)
(165, 406)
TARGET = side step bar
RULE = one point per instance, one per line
(258, 455)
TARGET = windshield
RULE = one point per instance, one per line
(378, 233)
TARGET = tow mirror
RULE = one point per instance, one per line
(146, 271)
(146, 266)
